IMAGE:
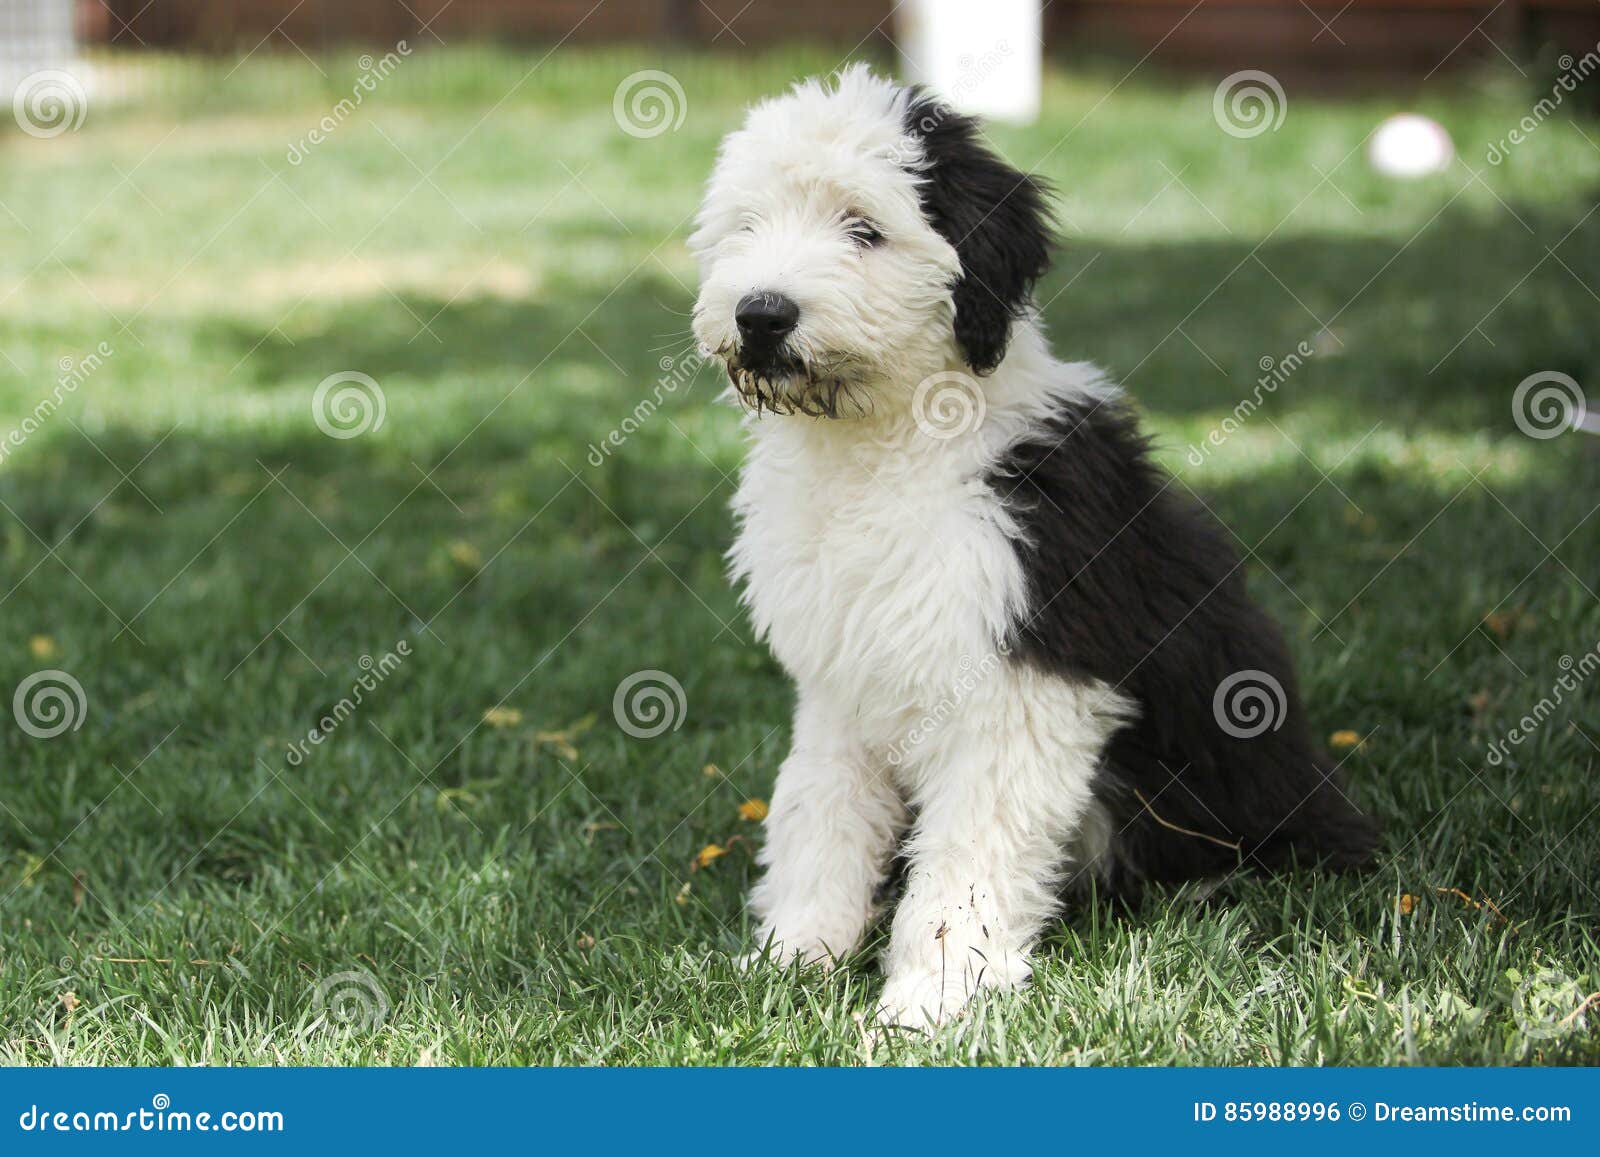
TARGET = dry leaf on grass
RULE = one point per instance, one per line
(754, 810)
(502, 717)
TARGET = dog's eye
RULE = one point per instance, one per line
(863, 232)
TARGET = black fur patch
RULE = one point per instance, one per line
(1133, 585)
(995, 217)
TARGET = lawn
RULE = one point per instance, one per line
(478, 865)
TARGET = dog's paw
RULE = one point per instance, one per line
(925, 998)
(920, 1001)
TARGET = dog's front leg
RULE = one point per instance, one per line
(834, 823)
(1001, 795)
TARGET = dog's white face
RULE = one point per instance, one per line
(832, 261)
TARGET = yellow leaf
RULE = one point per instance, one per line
(754, 810)
(502, 717)
(464, 554)
(1343, 739)
(708, 853)
(1407, 902)
(42, 647)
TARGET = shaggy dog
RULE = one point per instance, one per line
(1020, 657)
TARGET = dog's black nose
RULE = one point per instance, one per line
(765, 319)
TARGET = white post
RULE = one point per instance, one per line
(983, 57)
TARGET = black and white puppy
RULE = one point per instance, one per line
(1019, 656)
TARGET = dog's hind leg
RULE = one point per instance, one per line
(835, 820)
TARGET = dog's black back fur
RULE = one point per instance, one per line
(1130, 584)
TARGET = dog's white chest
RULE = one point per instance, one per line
(877, 573)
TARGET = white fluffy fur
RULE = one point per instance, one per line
(882, 570)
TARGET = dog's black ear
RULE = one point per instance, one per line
(994, 216)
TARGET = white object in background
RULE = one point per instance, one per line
(984, 58)
(1409, 146)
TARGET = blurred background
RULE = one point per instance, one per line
(356, 465)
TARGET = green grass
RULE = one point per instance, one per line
(510, 267)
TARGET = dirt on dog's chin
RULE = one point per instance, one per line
(801, 392)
